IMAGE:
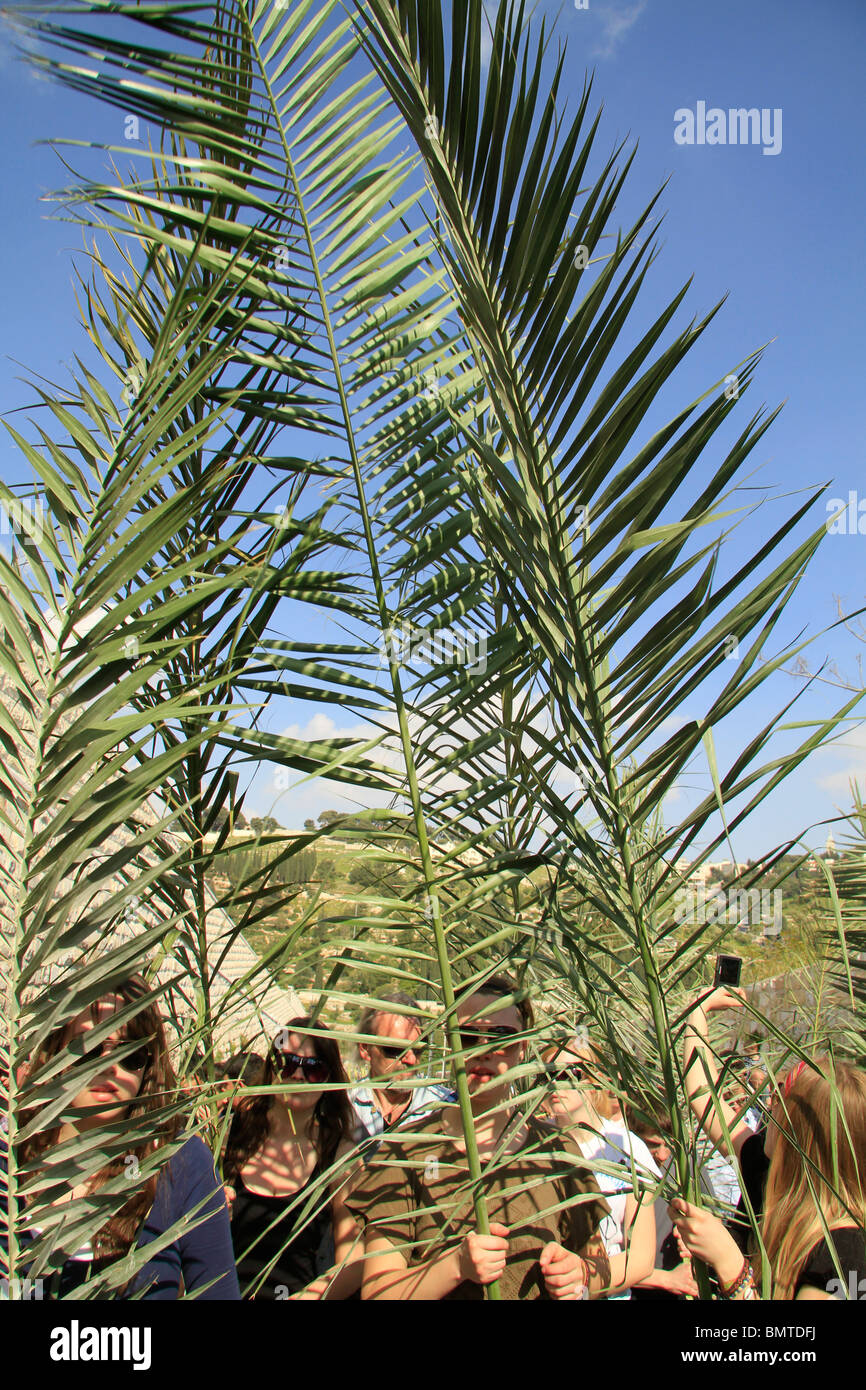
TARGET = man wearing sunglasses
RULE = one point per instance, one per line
(395, 1090)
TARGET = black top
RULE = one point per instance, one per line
(754, 1167)
(820, 1272)
(270, 1222)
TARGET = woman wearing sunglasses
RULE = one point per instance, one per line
(415, 1199)
(292, 1234)
(132, 1079)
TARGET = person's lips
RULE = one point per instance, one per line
(104, 1092)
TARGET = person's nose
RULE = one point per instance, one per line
(108, 1071)
(296, 1070)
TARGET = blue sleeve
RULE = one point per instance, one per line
(203, 1255)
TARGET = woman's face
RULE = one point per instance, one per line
(488, 1052)
(570, 1080)
(659, 1145)
(290, 1049)
(119, 1081)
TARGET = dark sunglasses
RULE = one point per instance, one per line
(391, 1052)
(573, 1071)
(311, 1068)
(133, 1061)
(493, 1039)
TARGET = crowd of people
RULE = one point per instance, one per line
(321, 1188)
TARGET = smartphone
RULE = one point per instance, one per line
(728, 969)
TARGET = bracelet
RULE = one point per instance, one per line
(742, 1281)
(726, 1292)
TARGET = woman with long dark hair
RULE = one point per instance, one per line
(135, 1081)
(544, 1206)
(293, 1236)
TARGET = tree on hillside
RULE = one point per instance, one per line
(264, 825)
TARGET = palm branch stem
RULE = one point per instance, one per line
(427, 868)
(661, 1026)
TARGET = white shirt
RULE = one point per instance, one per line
(614, 1144)
(722, 1175)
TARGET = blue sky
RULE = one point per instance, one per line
(781, 235)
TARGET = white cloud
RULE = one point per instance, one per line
(617, 20)
(306, 802)
(322, 726)
(609, 20)
(851, 747)
(15, 47)
(291, 798)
